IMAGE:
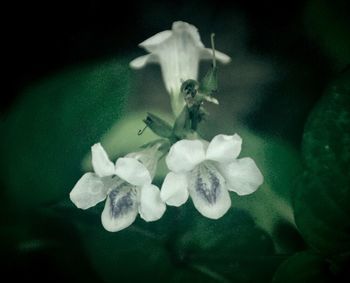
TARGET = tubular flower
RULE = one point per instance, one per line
(207, 172)
(126, 186)
(178, 51)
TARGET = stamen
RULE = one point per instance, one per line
(213, 49)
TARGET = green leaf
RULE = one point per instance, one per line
(230, 248)
(182, 124)
(182, 245)
(326, 140)
(127, 255)
(54, 124)
(322, 195)
(37, 245)
(158, 125)
(303, 267)
(321, 208)
(279, 162)
(209, 84)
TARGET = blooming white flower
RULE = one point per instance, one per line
(206, 172)
(126, 185)
(178, 51)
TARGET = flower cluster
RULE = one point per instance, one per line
(126, 185)
(205, 171)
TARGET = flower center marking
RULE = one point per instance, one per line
(122, 199)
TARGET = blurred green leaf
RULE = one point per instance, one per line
(322, 213)
(271, 204)
(36, 245)
(54, 124)
(326, 140)
(230, 248)
(125, 256)
(181, 247)
(322, 195)
(279, 162)
(303, 267)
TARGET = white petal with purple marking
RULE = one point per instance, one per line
(208, 191)
(121, 208)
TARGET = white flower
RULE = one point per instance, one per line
(178, 51)
(126, 185)
(206, 172)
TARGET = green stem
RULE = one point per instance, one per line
(194, 117)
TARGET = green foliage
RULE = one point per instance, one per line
(182, 124)
(209, 84)
(323, 194)
(303, 267)
(181, 247)
(229, 247)
(48, 132)
(158, 125)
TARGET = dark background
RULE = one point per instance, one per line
(306, 43)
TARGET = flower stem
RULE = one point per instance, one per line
(194, 117)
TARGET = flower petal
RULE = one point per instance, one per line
(186, 28)
(100, 161)
(88, 191)
(121, 208)
(223, 148)
(132, 171)
(208, 192)
(149, 157)
(151, 206)
(207, 54)
(178, 54)
(174, 189)
(184, 155)
(242, 176)
(155, 40)
(142, 61)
